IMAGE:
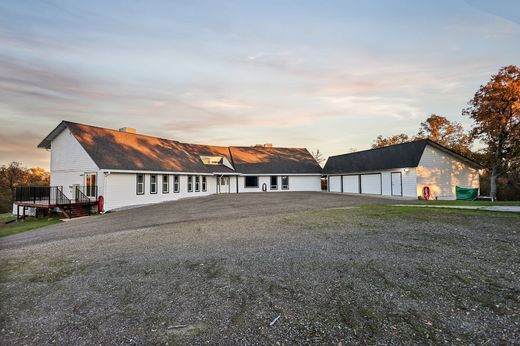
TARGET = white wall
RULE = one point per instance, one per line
(441, 172)
(296, 183)
(408, 185)
(69, 162)
(121, 190)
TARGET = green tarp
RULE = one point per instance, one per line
(466, 194)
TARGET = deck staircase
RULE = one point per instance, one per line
(49, 197)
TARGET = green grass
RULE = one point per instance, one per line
(474, 203)
(29, 224)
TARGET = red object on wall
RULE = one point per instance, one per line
(426, 192)
(100, 204)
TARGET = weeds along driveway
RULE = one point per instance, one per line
(375, 274)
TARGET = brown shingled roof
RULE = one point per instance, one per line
(272, 160)
(112, 149)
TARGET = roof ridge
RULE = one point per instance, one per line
(387, 146)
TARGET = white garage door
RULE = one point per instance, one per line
(335, 184)
(371, 183)
(351, 183)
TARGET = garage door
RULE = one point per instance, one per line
(335, 184)
(371, 183)
(351, 183)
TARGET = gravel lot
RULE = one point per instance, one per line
(220, 269)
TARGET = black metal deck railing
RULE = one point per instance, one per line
(43, 195)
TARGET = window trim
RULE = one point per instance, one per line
(251, 187)
(285, 187)
(273, 187)
(167, 183)
(197, 183)
(137, 184)
(190, 183)
(204, 183)
(176, 187)
(152, 184)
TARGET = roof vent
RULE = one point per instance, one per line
(127, 129)
(266, 145)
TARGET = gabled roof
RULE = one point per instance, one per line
(272, 160)
(112, 149)
(393, 156)
(208, 150)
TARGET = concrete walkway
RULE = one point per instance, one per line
(506, 208)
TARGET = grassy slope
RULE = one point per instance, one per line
(30, 223)
(474, 203)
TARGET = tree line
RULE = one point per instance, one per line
(495, 111)
(13, 175)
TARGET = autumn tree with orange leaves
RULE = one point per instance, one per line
(13, 175)
(438, 129)
(495, 110)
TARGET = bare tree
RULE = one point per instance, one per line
(318, 156)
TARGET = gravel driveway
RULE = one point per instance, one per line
(221, 269)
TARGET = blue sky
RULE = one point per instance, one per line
(330, 75)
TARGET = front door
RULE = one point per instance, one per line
(223, 184)
(90, 185)
(397, 182)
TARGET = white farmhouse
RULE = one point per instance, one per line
(128, 169)
(402, 170)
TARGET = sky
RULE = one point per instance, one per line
(328, 75)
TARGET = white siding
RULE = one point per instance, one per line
(441, 172)
(335, 183)
(296, 183)
(69, 162)
(121, 190)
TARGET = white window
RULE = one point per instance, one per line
(153, 183)
(285, 182)
(204, 183)
(176, 183)
(197, 183)
(190, 183)
(165, 183)
(140, 184)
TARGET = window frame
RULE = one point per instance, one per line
(197, 183)
(285, 187)
(204, 183)
(137, 183)
(273, 187)
(190, 183)
(167, 183)
(252, 186)
(154, 184)
(176, 184)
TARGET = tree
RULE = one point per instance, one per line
(451, 134)
(386, 141)
(13, 175)
(495, 110)
(318, 156)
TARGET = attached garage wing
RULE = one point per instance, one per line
(371, 184)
